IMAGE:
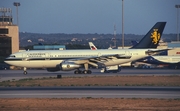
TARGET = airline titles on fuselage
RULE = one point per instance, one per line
(35, 54)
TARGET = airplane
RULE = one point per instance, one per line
(171, 61)
(165, 60)
(67, 60)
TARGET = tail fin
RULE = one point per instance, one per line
(92, 46)
(152, 38)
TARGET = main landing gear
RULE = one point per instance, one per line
(82, 72)
(86, 71)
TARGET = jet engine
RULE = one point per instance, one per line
(67, 66)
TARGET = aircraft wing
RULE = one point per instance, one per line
(97, 61)
(104, 57)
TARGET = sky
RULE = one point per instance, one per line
(93, 16)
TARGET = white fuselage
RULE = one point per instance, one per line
(52, 58)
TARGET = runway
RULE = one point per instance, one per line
(90, 92)
(18, 74)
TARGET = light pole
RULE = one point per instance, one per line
(177, 6)
(122, 25)
(17, 4)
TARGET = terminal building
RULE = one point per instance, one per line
(49, 47)
(9, 33)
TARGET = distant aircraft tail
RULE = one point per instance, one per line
(152, 38)
(134, 42)
(92, 46)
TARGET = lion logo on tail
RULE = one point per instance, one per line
(155, 36)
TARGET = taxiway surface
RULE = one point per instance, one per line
(88, 92)
(18, 74)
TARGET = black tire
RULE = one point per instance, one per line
(85, 72)
(89, 72)
(76, 72)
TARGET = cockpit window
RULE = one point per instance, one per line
(12, 56)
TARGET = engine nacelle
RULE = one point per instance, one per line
(53, 69)
(68, 66)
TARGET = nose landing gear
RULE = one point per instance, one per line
(25, 71)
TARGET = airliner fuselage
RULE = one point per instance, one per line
(51, 58)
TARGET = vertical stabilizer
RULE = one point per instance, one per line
(152, 38)
(92, 46)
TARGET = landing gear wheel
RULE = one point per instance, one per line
(89, 72)
(77, 72)
(106, 71)
(25, 72)
(85, 72)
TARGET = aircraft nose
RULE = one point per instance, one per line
(7, 60)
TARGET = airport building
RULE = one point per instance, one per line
(49, 47)
(9, 33)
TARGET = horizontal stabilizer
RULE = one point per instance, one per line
(154, 52)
